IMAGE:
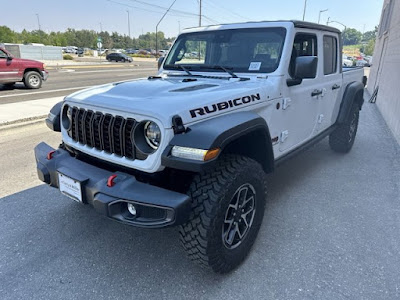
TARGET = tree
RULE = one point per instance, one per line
(370, 35)
(84, 39)
(6, 35)
(369, 48)
(351, 36)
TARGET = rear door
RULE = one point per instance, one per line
(300, 106)
(331, 81)
(8, 68)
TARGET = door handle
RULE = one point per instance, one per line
(335, 87)
(316, 93)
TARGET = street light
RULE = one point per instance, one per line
(159, 24)
(305, 6)
(320, 12)
(328, 22)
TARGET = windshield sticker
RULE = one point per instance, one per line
(255, 66)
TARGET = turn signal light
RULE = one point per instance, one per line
(194, 154)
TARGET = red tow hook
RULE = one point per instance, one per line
(50, 154)
(110, 181)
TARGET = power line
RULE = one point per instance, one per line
(149, 10)
(232, 13)
(164, 8)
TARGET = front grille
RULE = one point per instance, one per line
(113, 134)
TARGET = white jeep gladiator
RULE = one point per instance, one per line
(191, 146)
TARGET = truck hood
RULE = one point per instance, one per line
(163, 98)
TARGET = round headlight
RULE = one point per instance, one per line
(152, 133)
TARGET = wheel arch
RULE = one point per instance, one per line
(354, 93)
(243, 133)
(32, 69)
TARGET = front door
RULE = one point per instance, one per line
(8, 68)
(300, 107)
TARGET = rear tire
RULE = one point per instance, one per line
(33, 80)
(228, 205)
(342, 139)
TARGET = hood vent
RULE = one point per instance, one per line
(195, 87)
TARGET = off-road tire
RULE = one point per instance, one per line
(33, 80)
(342, 139)
(211, 193)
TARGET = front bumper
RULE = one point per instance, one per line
(45, 75)
(156, 207)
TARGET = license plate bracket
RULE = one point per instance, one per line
(70, 187)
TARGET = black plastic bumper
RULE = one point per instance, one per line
(156, 207)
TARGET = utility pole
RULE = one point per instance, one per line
(101, 27)
(320, 12)
(305, 7)
(129, 25)
(159, 24)
(40, 30)
(199, 13)
(38, 21)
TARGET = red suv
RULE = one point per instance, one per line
(31, 72)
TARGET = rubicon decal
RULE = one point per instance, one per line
(201, 111)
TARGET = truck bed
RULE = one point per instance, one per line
(351, 74)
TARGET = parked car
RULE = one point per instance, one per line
(131, 51)
(119, 57)
(162, 52)
(192, 146)
(31, 72)
(80, 51)
(362, 63)
(143, 52)
(346, 61)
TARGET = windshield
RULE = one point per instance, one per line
(254, 50)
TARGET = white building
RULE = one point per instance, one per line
(385, 70)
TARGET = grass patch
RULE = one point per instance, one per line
(352, 50)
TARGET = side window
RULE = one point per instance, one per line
(330, 55)
(305, 44)
(2, 54)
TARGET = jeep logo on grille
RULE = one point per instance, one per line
(201, 111)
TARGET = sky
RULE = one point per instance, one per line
(111, 15)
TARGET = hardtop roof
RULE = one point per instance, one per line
(298, 24)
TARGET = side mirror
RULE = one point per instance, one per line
(305, 68)
(160, 61)
(9, 57)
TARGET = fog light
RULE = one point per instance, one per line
(132, 209)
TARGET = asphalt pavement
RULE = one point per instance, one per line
(65, 80)
(331, 231)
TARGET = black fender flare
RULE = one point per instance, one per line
(220, 132)
(351, 94)
(53, 120)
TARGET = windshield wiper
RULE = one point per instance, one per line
(181, 68)
(217, 67)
